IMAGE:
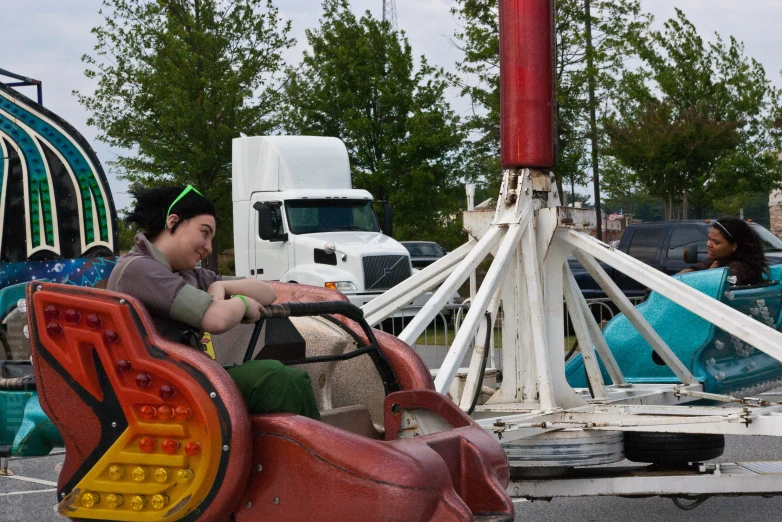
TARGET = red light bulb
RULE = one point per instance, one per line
(51, 312)
(167, 392)
(192, 449)
(54, 328)
(93, 321)
(147, 444)
(123, 366)
(182, 413)
(110, 336)
(165, 413)
(72, 316)
(143, 380)
(170, 446)
(148, 412)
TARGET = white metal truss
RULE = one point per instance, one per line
(530, 237)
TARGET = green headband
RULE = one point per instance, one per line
(183, 194)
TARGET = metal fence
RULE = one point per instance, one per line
(433, 344)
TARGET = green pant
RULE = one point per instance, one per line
(269, 386)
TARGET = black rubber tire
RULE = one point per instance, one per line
(672, 449)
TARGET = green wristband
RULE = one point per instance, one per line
(243, 300)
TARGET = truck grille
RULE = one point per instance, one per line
(383, 272)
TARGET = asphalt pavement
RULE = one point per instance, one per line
(30, 496)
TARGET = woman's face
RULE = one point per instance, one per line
(718, 247)
(193, 241)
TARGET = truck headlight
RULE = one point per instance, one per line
(342, 286)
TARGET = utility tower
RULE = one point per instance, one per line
(389, 13)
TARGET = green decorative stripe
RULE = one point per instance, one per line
(37, 180)
(88, 184)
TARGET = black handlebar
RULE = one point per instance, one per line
(349, 310)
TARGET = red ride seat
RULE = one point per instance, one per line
(157, 430)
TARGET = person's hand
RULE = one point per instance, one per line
(254, 312)
(686, 270)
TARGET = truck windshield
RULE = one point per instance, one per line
(307, 216)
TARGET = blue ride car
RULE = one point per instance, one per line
(721, 362)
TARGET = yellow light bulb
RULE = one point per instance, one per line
(162, 475)
(114, 501)
(116, 472)
(138, 502)
(89, 500)
(140, 473)
(159, 501)
(184, 475)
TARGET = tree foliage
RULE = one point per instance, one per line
(615, 23)
(177, 80)
(697, 120)
(360, 83)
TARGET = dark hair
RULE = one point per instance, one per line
(151, 210)
(748, 261)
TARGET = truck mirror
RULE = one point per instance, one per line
(691, 254)
(268, 214)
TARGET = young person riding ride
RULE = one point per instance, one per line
(161, 271)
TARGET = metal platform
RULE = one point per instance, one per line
(728, 479)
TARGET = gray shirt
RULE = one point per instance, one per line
(177, 301)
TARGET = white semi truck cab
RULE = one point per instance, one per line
(297, 218)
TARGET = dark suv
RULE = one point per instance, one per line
(423, 253)
(662, 245)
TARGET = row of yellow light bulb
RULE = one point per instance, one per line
(115, 500)
(140, 474)
(137, 502)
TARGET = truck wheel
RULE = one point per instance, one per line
(672, 449)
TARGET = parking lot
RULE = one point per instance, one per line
(29, 495)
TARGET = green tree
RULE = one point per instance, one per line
(614, 24)
(126, 234)
(360, 83)
(696, 124)
(177, 80)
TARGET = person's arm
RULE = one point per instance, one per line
(224, 314)
(260, 291)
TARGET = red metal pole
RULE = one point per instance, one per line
(527, 84)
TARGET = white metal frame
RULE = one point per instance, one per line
(530, 236)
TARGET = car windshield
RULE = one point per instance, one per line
(770, 242)
(424, 249)
(307, 216)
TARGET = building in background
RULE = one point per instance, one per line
(775, 210)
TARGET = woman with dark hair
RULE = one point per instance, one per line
(161, 271)
(734, 244)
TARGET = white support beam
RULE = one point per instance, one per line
(529, 261)
(636, 319)
(405, 300)
(454, 281)
(576, 312)
(732, 321)
(474, 375)
(487, 290)
(612, 367)
(414, 286)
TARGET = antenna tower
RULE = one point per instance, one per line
(389, 13)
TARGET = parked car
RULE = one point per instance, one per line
(663, 244)
(423, 253)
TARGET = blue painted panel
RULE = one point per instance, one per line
(723, 363)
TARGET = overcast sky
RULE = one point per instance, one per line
(45, 39)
